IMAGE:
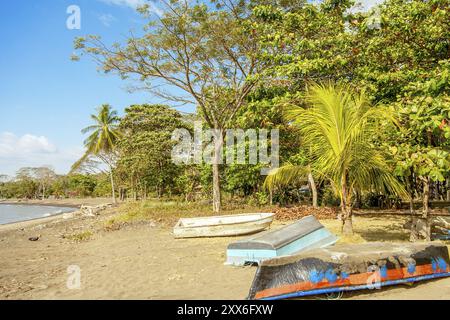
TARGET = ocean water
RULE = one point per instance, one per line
(16, 212)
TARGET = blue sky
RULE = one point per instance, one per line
(45, 98)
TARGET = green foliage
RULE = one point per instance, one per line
(25, 185)
(103, 136)
(338, 128)
(81, 185)
(242, 63)
(145, 147)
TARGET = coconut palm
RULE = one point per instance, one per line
(102, 140)
(339, 127)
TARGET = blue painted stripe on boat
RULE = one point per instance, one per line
(358, 287)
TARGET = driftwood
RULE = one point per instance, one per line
(92, 211)
(443, 222)
(420, 227)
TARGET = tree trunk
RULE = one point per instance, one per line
(312, 185)
(346, 208)
(347, 224)
(411, 204)
(216, 188)
(410, 185)
(358, 201)
(218, 143)
(420, 228)
(448, 189)
(112, 186)
(426, 208)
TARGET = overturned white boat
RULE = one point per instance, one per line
(222, 226)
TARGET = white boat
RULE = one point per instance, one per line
(222, 226)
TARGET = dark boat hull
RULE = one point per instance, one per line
(349, 267)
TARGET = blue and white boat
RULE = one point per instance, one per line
(306, 233)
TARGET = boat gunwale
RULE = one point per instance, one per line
(268, 216)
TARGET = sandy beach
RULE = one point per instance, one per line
(143, 261)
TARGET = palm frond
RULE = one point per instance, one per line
(104, 133)
(286, 175)
(338, 126)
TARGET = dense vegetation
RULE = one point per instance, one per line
(43, 182)
(377, 131)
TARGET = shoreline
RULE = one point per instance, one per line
(11, 226)
(43, 204)
(74, 203)
(15, 225)
(34, 219)
(67, 202)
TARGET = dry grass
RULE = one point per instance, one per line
(78, 237)
(168, 213)
(382, 228)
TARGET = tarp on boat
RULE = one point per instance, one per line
(346, 267)
(306, 233)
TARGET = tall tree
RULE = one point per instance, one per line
(404, 63)
(203, 53)
(145, 147)
(45, 175)
(338, 127)
(101, 142)
(26, 183)
(3, 179)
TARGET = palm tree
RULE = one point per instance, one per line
(339, 127)
(102, 141)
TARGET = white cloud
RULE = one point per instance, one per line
(129, 3)
(11, 145)
(134, 4)
(365, 5)
(360, 5)
(34, 151)
(107, 19)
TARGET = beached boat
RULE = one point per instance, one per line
(222, 226)
(348, 267)
(306, 233)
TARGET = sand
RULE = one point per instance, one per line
(143, 261)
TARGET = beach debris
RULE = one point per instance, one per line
(298, 212)
(347, 267)
(34, 238)
(40, 227)
(92, 211)
(306, 233)
(439, 226)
